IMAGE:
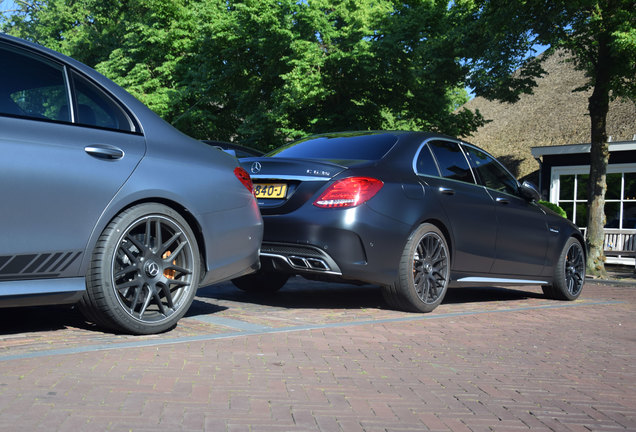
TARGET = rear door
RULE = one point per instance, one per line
(468, 207)
(67, 148)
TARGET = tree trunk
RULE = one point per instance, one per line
(599, 159)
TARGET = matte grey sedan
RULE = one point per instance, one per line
(413, 212)
(106, 205)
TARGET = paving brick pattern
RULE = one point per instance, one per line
(318, 358)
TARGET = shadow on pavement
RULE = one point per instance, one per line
(40, 319)
(59, 317)
(488, 294)
(200, 307)
(297, 294)
(303, 294)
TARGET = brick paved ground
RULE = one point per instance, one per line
(331, 358)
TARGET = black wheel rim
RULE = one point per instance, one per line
(153, 269)
(574, 269)
(430, 268)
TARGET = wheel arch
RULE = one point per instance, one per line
(581, 239)
(107, 217)
(445, 231)
(184, 212)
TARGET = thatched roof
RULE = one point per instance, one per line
(553, 115)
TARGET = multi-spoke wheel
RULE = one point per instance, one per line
(144, 272)
(569, 273)
(423, 273)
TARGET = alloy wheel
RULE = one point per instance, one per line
(430, 268)
(574, 269)
(152, 269)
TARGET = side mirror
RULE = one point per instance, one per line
(529, 191)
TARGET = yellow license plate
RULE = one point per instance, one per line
(270, 190)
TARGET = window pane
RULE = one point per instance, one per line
(566, 187)
(629, 215)
(491, 174)
(612, 214)
(581, 186)
(630, 186)
(614, 186)
(33, 87)
(425, 163)
(581, 215)
(451, 161)
(94, 108)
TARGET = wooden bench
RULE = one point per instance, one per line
(620, 243)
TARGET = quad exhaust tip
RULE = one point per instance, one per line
(303, 258)
(308, 263)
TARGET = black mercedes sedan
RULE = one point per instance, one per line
(413, 212)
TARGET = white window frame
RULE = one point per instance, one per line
(558, 171)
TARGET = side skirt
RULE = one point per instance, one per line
(497, 281)
(41, 292)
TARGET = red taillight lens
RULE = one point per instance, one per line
(349, 192)
(244, 178)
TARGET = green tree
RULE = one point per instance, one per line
(601, 37)
(265, 71)
(137, 43)
(277, 70)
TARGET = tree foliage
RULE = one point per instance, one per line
(265, 71)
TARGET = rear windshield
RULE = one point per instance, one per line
(338, 147)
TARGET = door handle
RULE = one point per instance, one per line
(502, 200)
(104, 151)
(446, 191)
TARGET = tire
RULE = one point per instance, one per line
(423, 273)
(144, 271)
(261, 282)
(569, 273)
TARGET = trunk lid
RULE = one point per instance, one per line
(282, 185)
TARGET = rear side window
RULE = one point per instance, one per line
(339, 147)
(425, 164)
(94, 108)
(491, 173)
(32, 87)
(451, 161)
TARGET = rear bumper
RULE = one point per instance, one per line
(355, 244)
(232, 244)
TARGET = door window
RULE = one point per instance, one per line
(451, 161)
(32, 87)
(35, 87)
(491, 173)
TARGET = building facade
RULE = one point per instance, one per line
(563, 180)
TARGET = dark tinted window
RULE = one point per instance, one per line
(94, 108)
(451, 161)
(32, 87)
(340, 147)
(491, 173)
(425, 164)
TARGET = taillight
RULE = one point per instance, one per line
(244, 178)
(349, 192)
